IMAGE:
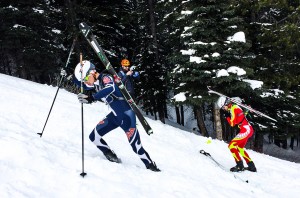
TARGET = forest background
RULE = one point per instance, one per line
(178, 47)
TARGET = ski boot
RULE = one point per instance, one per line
(251, 167)
(111, 156)
(239, 167)
(152, 166)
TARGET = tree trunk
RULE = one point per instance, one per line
(71, 16)
(258, 142)
(161, 109)
(181, 115)
(160, 100)
(292, 142)
(218, 124)
(166, 110)
(153, 101)
(200, 122)
(153, 28)
(177, 114)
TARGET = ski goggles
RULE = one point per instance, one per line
(88, 74)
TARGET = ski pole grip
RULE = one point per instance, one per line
(81, 87)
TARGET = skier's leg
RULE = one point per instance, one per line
(133, 136)
(235, 153)
(102, 128)
(245, 133)
(233, 149)
(245, 155)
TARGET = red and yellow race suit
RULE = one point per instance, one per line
(238, 143)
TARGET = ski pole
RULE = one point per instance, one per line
(82, 126)
(59, 84)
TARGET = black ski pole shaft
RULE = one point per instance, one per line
(59, 84)
(82, 128)
(82, 120)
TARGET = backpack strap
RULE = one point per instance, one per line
(117, 98)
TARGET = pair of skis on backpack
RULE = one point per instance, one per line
(241, 104)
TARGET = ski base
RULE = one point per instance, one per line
(222, 167)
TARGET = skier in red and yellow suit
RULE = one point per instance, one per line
(236, 116)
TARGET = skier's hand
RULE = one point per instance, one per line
(63, 73)
(136, 74)
(129, 73)
(85, 98)
(132, 68)
(227, 114)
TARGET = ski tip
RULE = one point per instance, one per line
(82, 25)
(84, 28)
(150, 131)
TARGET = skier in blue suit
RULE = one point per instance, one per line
(121, 115)
(128, 76)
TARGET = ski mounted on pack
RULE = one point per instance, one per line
(87, 33)
(241, 104)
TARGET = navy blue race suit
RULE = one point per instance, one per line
(128, 80)
(121, 116)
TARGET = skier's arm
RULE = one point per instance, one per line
(232, 118)
(108, 89)
(103, 93)
(122, 76)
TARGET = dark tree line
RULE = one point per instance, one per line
(178, 47)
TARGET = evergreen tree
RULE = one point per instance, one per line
(106, 19)
(150, 60)
(33, 38)
(207, 49)
(277, 65)
(170, 28)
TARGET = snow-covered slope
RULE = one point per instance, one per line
(50, 166)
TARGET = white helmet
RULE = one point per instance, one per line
(236, 100)
(225, 101)
(86, 68)
(221, 101)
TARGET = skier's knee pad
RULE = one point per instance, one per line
(232, 145)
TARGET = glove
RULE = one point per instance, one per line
(85, 98)
(227, 114)
(132, 68)
(70, 77)
(63, 73)
(136, 74)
